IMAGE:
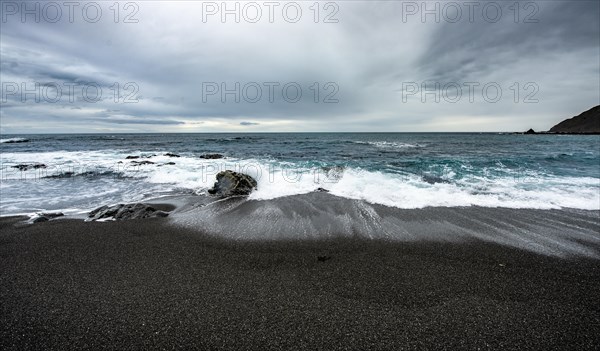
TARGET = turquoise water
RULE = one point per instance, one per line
(407, 170)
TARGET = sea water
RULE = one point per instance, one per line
(78, 172)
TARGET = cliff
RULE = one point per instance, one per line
(586, 122)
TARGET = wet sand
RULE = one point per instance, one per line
(561, 233)
(146, 284)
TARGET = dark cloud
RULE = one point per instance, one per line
(249, 123)
(467, 50)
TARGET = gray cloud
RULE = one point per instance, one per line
(143, 121)
(350, 73)
(459, 52)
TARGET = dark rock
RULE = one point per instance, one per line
(323, 258)
(26, 167)
(171, 155)
(587, 122)
(45, 216)
(142, 163)
(148, 156)
(323, 190)
(530, 131)
(433, 179)
(51, 214)
(89, 174)
(131, 157)
(169, 163)
(211, 156)
(40, 219)
(21, 167)
(126, 211)
(61, 175)
(230, 183)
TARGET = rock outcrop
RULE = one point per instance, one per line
(230, 183)
(587, 122)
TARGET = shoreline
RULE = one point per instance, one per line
(321, 216)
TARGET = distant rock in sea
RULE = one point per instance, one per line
(26, 167)
(431, 179)
(530, 131)
(230, 183)
(586, 123)
(142, 163)
(211, 156)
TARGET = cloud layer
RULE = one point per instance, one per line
(344, 66)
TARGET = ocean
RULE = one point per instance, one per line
(75, 173)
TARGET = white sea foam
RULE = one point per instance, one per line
(390, 144)
(411, 191)
(110, 178)
(13, 140)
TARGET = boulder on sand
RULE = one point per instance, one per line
(39, 219)
(45, 216)
(126, 211)
(230, 183)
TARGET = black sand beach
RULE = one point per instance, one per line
(145, 284)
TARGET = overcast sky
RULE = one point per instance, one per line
(363, 66)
